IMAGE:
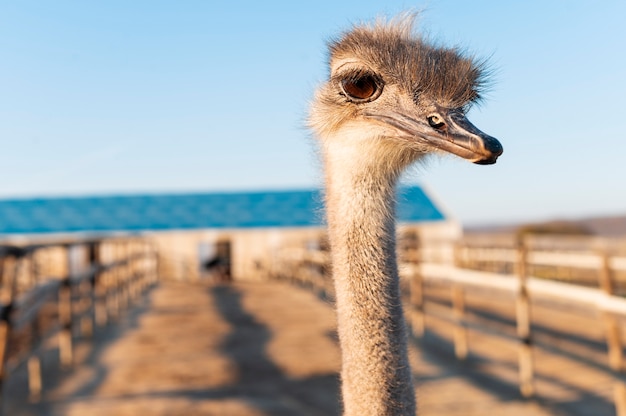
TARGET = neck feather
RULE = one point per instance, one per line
(376, 376)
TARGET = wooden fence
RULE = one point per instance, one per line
(51, 294)
(575, 275)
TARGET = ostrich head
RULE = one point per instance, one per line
(392, 97)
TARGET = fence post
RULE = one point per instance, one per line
(5, 333)
(461, 347)
(65, 319)
(65, 315)
(134, 271)
(113, 282)
(619, 396)
(120, 280)
(147, 266)
(34, 363)
(6, 305)
(526, 369)
(88, 322)
(34, 378)
(417, 318)
(613, 336)
(4, 339)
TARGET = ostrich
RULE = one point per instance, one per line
(391, 99)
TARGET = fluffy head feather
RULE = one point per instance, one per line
(444, 75)
(400, 94)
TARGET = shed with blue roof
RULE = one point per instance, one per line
(187, 225)
(235, 210)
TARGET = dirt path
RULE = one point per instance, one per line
(248, 349)
(254, 349)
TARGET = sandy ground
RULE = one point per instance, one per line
(254, 349)
(204, 350)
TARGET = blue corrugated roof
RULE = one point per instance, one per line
(186, 211)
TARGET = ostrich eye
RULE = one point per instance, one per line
(362, 89)
(436, 122)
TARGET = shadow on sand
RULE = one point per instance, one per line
(264, 386)
(440, 352)
(261, 383)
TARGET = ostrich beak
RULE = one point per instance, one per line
(464, 134)
(453, 133)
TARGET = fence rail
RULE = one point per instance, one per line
(576, 276)
(53, 293)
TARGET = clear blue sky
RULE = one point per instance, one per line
(146, 96)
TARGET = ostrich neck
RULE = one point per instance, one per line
(376, 376)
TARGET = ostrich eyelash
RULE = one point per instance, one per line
(354, 75)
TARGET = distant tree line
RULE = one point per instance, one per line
(555, 227)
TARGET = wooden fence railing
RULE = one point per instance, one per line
(53, 293)
(587, 275)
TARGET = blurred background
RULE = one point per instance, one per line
(159, 183)
(195, 96)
